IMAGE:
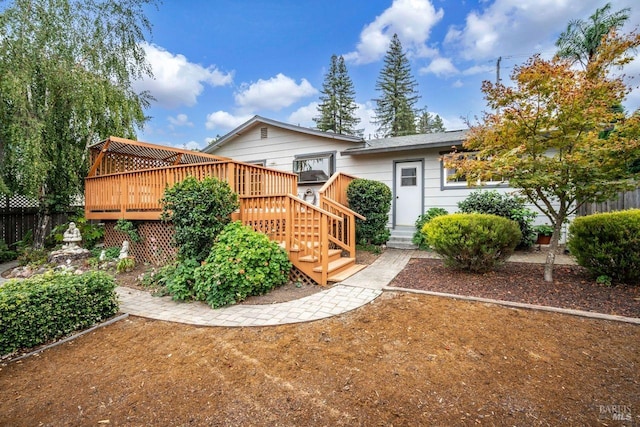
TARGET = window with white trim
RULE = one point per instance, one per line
(450, 180)
(312, 168)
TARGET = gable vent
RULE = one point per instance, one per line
(263, 133)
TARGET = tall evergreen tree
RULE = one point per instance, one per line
(429, 123)
(66, 69)
(338, 106)
(395, 115)
(581, 40)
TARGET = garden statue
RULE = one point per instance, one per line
(70, 251)
(72, 236)
(124, 252)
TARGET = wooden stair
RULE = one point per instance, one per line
(339, 267)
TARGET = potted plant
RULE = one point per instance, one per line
(544, 234)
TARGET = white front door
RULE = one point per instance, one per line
(408, 192)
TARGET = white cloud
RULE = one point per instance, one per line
(273, 94)
(179, 121)
(441, 67)
(304, 115)
(506, 27)
(412, 20)
(177, 81)
(191, 145)
(479, 69)
(366, 112)
(221, 120)
(453, 123)
(458, 83)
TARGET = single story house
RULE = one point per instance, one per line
(410, 165)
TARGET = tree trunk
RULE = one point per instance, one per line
(40, 233)
(553, 250)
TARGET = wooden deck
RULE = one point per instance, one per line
(128, 179)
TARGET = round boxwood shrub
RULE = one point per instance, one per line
(608, 244)
(242, 263)
(473, 242)
(371, 199)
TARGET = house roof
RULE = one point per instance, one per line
(409, 142)
(258, 120)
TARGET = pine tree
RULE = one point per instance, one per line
(338, 106)
(395, 115)
(428, 123)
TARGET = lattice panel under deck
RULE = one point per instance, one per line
(298, 276)
(155, 247)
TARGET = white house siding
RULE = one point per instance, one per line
(282, 145)
(280, 148)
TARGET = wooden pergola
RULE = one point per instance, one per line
(128, 178)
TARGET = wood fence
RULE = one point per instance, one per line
(626, 200)
(18, 217)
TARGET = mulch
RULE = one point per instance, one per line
(572, 287)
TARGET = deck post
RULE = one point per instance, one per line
(324, 249)
(123, 195)
(231, 178)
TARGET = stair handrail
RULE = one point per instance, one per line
(332, 194)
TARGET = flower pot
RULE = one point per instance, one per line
(543, 240)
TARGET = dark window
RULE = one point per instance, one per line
(314, 167)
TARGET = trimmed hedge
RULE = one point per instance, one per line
(608, 244)
(473, 242)
(49, 306)
(242, 263)
(371, 199)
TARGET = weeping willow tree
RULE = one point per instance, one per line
(66, 73)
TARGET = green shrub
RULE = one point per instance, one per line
(608, 244)
(198, 210)
(110, 253)
(30, 256)
(180, 279)
(371, 199)
(125, 265)
(242, 263)
(473, 242)
(5, 253)
(506, 206)
(129, 229)
(49, 306)
(419, 238)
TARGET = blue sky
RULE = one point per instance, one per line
(218, 63)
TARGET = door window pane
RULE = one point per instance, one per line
(409, 177)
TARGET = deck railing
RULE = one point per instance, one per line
(333, 199)
(136, 195)
(297, 225)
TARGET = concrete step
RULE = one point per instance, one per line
(401, 238)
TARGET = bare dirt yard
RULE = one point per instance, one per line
(403, 360)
